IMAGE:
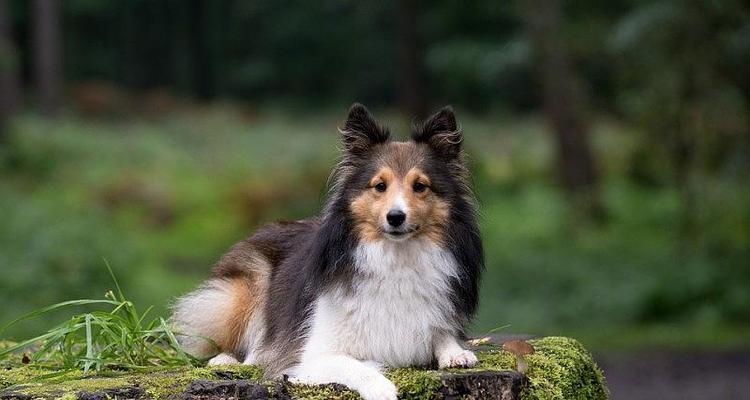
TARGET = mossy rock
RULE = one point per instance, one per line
(560, 369)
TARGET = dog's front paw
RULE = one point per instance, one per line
(379, 388)
(460, 359)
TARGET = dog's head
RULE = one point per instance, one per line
(401, 190)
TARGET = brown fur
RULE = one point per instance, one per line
(245, 297)
(244, 272)
(399, 170)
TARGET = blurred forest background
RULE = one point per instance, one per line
(609, 141)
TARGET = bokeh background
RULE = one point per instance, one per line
(609, 144)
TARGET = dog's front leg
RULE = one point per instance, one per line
(450, 354)
(348, 371)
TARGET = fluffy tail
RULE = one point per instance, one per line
(217, 317)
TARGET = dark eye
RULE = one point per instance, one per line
(419, 187)
(380, 187)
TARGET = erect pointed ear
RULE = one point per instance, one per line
(441, 132)
(361, 131)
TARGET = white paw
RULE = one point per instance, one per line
(379, 388)
(223, 359)
(461, 359)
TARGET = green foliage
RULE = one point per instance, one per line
(616, 275)
(683, 78)
(474, 72)
(162, 199)
(119, 339)
(161, 206)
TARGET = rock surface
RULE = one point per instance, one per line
(560, 369)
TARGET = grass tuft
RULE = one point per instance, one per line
(119, 339)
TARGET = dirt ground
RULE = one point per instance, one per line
(668, 375)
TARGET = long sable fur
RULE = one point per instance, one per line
(308, 257)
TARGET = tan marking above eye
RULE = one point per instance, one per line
(416, 175)
(385, 176)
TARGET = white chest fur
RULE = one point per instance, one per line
(397, 302)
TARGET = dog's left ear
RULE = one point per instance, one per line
(361, 131)
(441, 132)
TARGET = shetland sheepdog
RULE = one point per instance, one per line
(386, 276)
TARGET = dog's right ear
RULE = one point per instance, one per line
(361, 131)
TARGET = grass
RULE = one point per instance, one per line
(119, 339)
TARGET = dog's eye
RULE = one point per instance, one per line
(419, 187)
(380, 187)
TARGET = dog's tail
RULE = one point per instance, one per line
(225, 314)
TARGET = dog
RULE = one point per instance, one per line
(386, 276)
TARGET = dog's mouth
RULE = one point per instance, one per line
(400, 234)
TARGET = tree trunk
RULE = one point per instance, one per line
(201, 60)
(10, 92)
(412, 97)
(47, 65)
(564, 104)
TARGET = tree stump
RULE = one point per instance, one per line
(560, 369)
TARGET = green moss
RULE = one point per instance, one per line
(4, 344)
(9, 360)
(413, 383)
(560, 369)
(322, 392)
(157, 383)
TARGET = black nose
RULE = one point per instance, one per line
(395, 217)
